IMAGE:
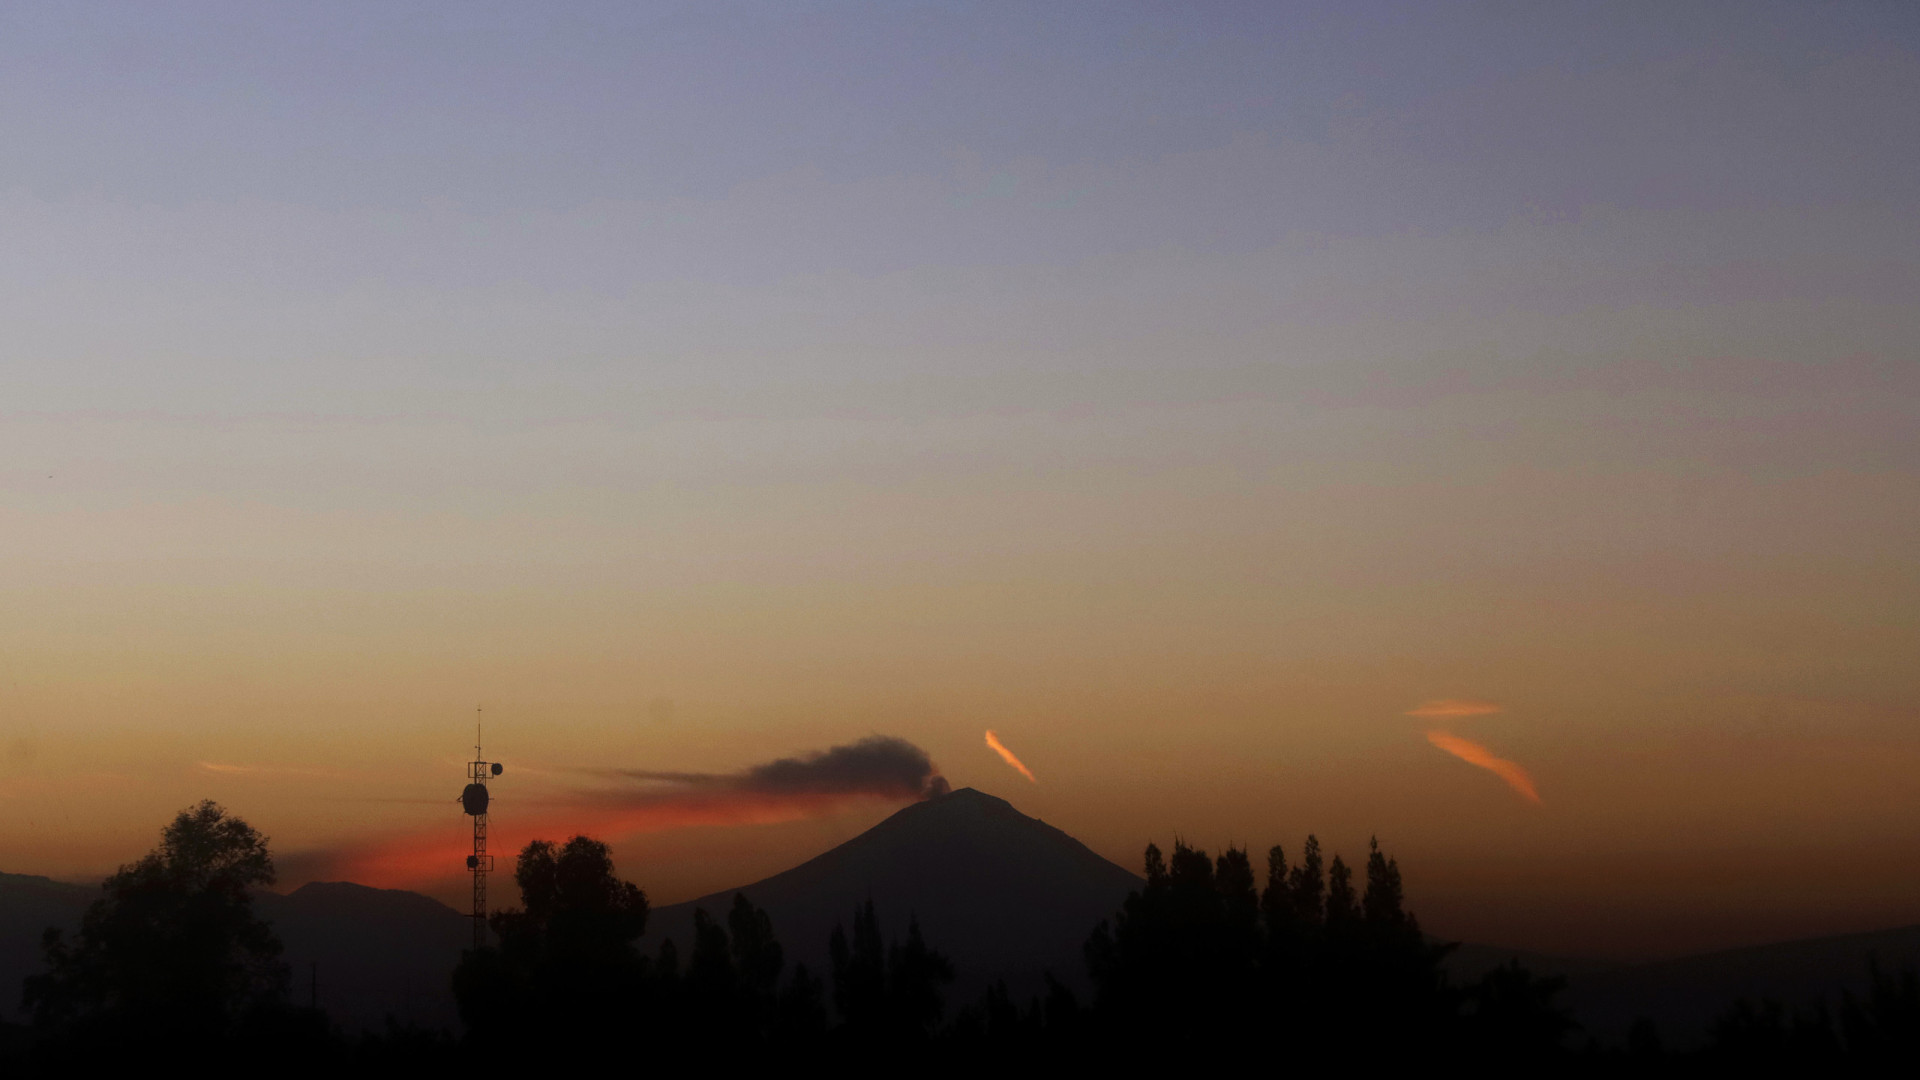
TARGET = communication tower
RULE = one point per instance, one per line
(473, 800)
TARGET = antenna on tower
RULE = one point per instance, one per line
(473, 800)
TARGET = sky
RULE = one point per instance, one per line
(1487, 426)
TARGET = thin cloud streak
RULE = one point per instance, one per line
(229, 769)
(1474, 754)
(1006, 755)
(1451, 709)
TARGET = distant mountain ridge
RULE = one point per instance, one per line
(362, 953)
(29, 904)
(1683, 996)
(366, 954)
(1004, 895)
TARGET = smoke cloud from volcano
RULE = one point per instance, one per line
(786, 789)
(877, 765)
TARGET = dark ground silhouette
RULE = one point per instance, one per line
(1314, 961)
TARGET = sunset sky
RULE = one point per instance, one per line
(1264, 418)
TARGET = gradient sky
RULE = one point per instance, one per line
(1187, 393)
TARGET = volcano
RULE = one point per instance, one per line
(1003, 895)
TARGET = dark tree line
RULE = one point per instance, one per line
(1201, 951)
(567, 972)
(1307, 954)
(1878, 1032)
(171, 960)
(1311, 963)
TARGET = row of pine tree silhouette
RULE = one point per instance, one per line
(172, 959)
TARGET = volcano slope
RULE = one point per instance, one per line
(1003, 895)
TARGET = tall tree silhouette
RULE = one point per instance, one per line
(860, 972)
(917, 976)
(756, 953)
(731, 997)
(1180, 955)
(566, 963)
(1307, 885)
(1343, 909)
(1876, 1034)
(171, 955)
(1195, 952)
(1383, 904)
(1277, 908)
(886, 997)
(1512, 1019)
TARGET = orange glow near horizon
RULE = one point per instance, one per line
(1006, 755)
(1474, 754)
(416, 858)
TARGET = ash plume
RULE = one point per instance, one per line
(876, 768)
(878, 765)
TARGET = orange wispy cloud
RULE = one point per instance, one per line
(1006, 755)
(1474, 754)
(1451, 709)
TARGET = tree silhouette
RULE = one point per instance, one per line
(575, 902)
(886, 997)
(731, 995)
(916, 978)
(1343, 910)
(566, 965)
(171, 954)
(1878, 1034)
(1383, 903)
(1884, 1027)
(1195, 952)
(1277, 907)
(756, 953)
(1181, 954)
(1307, 884)
(1512, 1019)
(860, 972)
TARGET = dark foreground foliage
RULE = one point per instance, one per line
(1202, 951)
(170, 960)
(1310, 963)
(1878, 1033)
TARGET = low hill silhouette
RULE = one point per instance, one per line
(1684, 996)
(380, 952)
(28, 905)
(370, 953)
(1004, 895)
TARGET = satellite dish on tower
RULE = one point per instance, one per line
(474, 799)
